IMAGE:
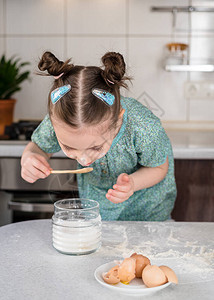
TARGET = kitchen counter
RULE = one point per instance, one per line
(32, 269)
(192, 144)
(15, 149)
(186, 144)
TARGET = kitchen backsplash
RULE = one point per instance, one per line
(85, 29)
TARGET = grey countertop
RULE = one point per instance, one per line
(15, 149)
(186, 144)
(192, 144)
(32, 269)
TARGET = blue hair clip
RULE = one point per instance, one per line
(105, 96)
(59, 93)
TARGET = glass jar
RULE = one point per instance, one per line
(76, 226)
(176, 54)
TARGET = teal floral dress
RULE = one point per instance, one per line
(141, 141)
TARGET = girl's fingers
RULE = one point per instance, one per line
(117, 194)
(123, 178)
(29, 177)
(114, 199)
(122, 188)
(41, 168)
(44, 161)
(34, 167)
(34, 173)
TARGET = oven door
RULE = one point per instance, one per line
(11, 180)
(30, 206)
(35, 200)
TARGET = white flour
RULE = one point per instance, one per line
(193, 263)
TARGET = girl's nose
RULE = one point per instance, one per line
(76, 155)
(81, 157)
(82, 160)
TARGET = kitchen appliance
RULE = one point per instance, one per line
(26, 201)
(21, 130)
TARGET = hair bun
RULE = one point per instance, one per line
(115, 67)
(53, 65)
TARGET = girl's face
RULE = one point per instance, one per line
(86, 144)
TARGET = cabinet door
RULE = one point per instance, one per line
(195, 185)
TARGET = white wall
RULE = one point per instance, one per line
(86, 29)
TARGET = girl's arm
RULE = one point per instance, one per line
(34, 163)
(146, 177)
(33, 148)
(143, 178)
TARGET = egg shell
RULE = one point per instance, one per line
(111, 277)
(126, 271)
(141, 262)
(153, 276)
(170, 274)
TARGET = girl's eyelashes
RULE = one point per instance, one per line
(97, 148)
(94, 148)
(66, 147)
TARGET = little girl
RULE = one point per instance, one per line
(124, 142)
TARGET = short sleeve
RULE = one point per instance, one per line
(152, 144)
(45, 138)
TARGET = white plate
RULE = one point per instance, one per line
(135, 287)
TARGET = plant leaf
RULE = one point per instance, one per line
(11, 75)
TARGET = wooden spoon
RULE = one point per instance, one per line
(84, 170)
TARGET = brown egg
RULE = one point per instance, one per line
(153, 276)
(126, 271)
(141, 262)
(170, 274)
(111, 276)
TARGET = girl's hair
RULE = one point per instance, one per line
(79, 107)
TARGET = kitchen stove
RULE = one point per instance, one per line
(21, 130)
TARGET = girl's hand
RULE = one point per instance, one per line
(34, 167)
(122, 190)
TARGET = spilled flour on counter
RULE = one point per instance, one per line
(193, 263)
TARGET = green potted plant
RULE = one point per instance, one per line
(11, 77)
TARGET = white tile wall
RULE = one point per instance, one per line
(85, 30)
(34, 17)
(32, 99)
(144, 21)
(202, 49)
(165, 89)
(182, 22)
(201, 110)
(201, 76)
(2, 46)
(203, 22)
(89, 50)
(96, 17)
(2, 23)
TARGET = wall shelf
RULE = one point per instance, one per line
(189, 68)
